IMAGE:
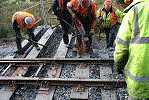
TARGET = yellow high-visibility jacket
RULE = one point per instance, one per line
(110, 19)
(132, 48)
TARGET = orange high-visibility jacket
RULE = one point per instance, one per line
(73, 5)
(19, 16)
(112, 17)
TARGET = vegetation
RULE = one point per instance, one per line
(9, 7)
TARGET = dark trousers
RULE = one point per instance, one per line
(18, 35)
(65, 26)
(110, 35)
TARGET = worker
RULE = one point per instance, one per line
(131, 55)
(23, 20)
(84, 17)
(60, 10)
(109, 15)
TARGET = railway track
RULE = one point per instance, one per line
(60, 77)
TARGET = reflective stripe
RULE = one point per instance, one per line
(137, 79)
(32, 17)
(137, 39)
(68, 4)
(119, 40)
(132, 98)
(136, 25)
(20, 19)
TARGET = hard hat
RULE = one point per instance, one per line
(108, 3)
(28, 21)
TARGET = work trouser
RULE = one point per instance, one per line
(110, 35)
(18, 35)
(132, 98)
(65, 26)
(79, 41)
(86, 22)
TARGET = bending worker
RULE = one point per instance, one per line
(84, 17)
(23, 20)
(60, 10)
(132, 48)
(108, 15)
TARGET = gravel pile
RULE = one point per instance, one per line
(7, 50)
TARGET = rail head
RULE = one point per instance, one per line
(49, 61)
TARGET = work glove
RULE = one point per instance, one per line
(92, 31)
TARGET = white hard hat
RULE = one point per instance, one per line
(28, 21)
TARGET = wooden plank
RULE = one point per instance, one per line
(34, 53)
(61, 53)
(104, 74)
(82, 72)
(5, 94)
(48, 94)
(62, 50)
(26, 41)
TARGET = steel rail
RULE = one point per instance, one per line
(62, 81)
(48, 61)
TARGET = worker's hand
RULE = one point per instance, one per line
(100, 18)
(74, 16)
(92, 31)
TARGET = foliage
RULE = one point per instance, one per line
(9, 7)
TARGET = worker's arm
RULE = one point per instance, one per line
(121, 53)
(94, 11)
(54, 8)
(119, 14)
(70, 7)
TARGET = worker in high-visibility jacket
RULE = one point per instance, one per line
(23, 20)
(132, 49)
(84, 17)
(60, 10)
(109, 15)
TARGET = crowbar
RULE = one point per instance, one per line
(33, 41)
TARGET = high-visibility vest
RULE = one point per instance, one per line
(19, 16)
(109, 22)
(132, 49)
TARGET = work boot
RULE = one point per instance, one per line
(65, 38)
(19, 52)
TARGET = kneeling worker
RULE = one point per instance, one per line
(23, 20)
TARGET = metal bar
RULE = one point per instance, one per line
(6, 70)
(43, 12)
(63, 81)
(48, 61)
(38, 70)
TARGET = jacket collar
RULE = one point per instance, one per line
(135, 2)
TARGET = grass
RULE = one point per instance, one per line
(9, 7)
